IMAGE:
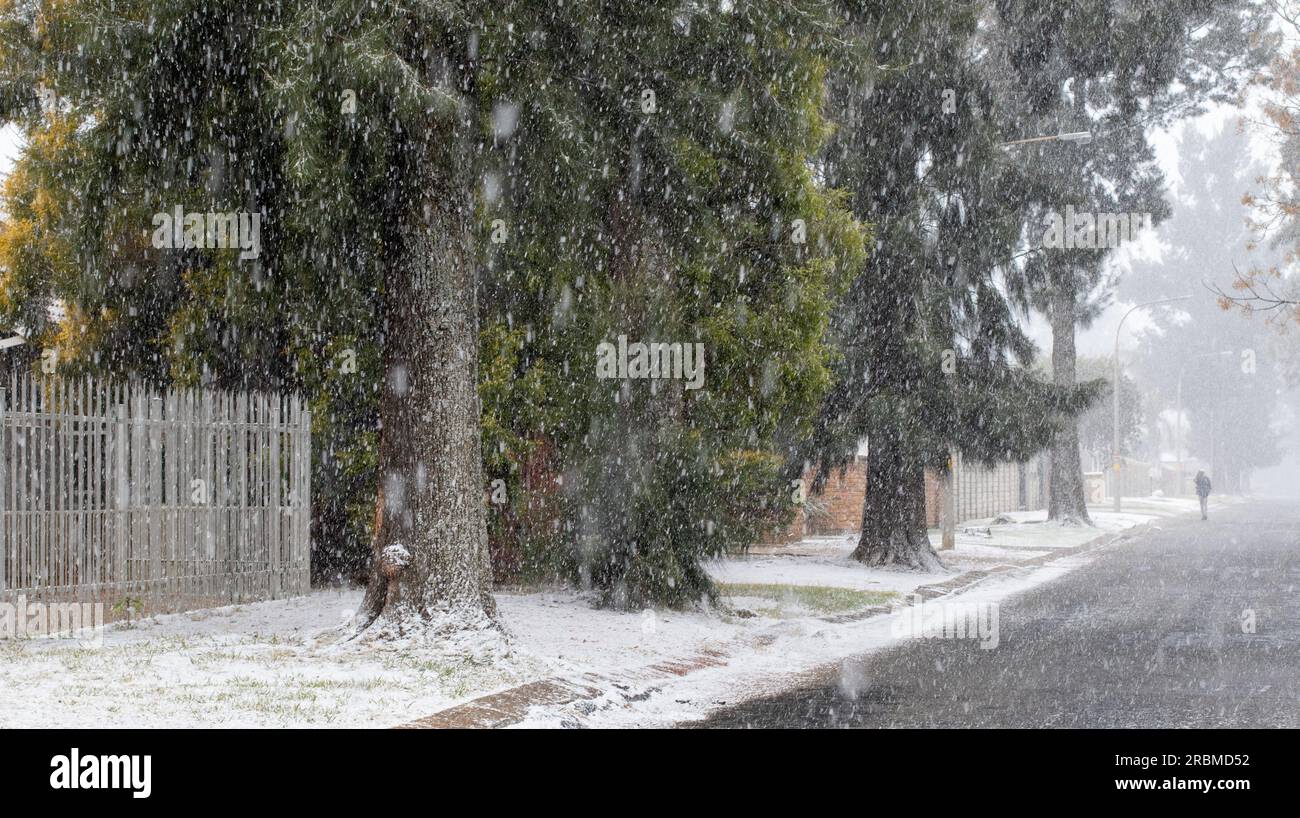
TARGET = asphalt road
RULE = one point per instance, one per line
(1149, 634)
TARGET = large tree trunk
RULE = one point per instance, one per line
(1067, 500)
(431, 563)
(893, 511)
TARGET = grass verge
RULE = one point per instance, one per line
(818, 598)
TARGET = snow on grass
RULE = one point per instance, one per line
(280, 664)
(803, 651)
(793, 600)
(829, 566)
(562, 629)
(259, 665)
(814, 653)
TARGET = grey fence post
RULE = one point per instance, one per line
(146, 529)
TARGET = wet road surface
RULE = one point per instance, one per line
(1154, 632)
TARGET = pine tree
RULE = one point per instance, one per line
(932, 358)
(1116, 70)
(654, 183)
(668, 198)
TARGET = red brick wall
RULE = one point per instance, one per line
(843, 497)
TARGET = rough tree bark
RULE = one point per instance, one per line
(1067, 500)
(893, 511)
(431, 562)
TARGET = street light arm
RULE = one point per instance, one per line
(1134, 309)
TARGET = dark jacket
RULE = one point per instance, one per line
(1203, 485)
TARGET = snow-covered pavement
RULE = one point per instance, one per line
(788, 611)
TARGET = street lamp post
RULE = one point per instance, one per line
(1116, 460)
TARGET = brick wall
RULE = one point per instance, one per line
(981, 492)
(842, 498)
(839, 505)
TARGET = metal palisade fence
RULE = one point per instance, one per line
(987, 491)
(151, 500)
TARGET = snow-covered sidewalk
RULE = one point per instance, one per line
(789, 610)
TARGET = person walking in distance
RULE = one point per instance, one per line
(1203, 491)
